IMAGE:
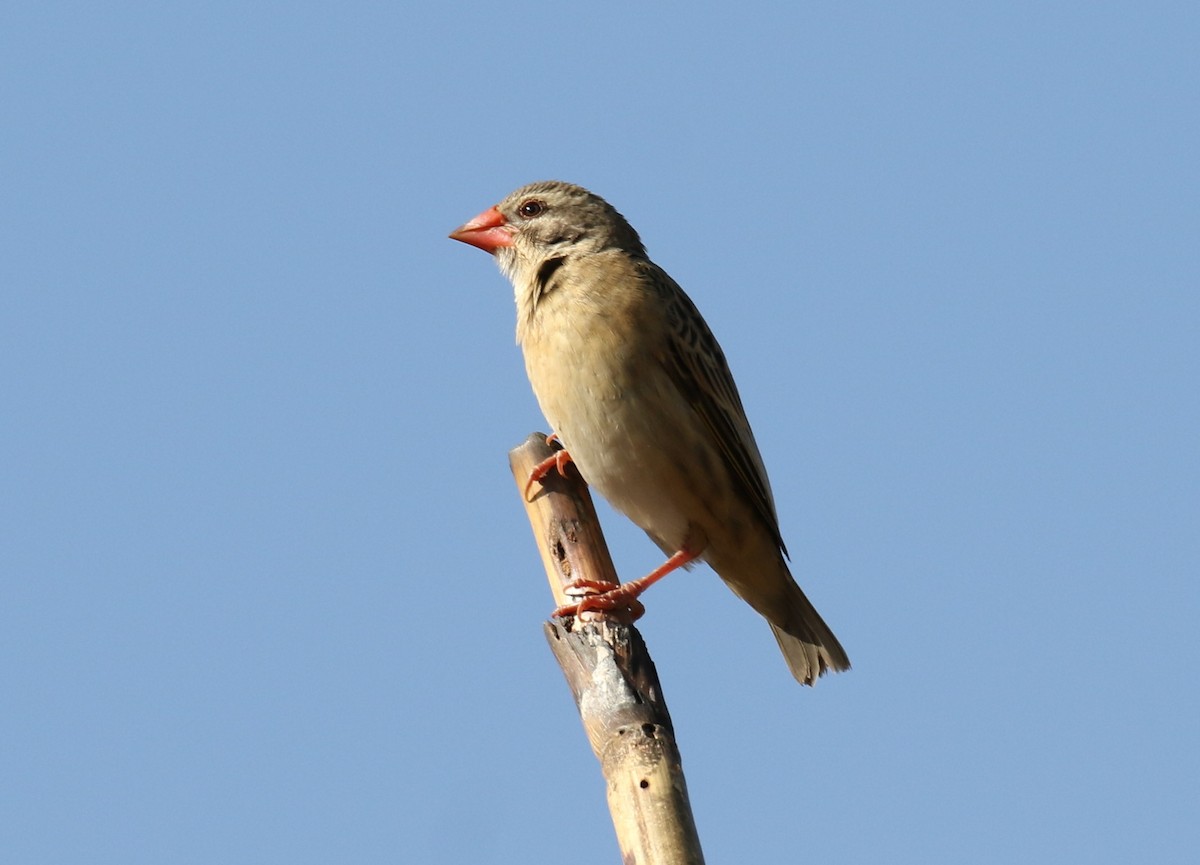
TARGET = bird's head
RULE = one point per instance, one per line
(546, 220)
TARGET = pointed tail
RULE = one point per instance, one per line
(807, 643)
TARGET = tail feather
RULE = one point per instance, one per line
(807, 643)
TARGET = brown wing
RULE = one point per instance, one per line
(697, 366)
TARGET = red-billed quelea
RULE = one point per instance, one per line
(637, 389)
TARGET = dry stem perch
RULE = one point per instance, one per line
(610, 674)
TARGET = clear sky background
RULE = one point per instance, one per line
(267, 591)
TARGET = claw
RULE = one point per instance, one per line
(558, 462)
(605, 597)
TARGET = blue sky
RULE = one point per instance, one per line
(267, 592)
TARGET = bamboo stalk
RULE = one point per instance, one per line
(610, 673)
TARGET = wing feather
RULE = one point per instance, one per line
(695, 363)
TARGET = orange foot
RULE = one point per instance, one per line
(558, 463)
(605, 596)
(594, 595)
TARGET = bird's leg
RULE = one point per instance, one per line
(586, 590)
(558, 463)
(604, 596)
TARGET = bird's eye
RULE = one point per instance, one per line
(531, 208)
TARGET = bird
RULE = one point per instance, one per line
(640, 396)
